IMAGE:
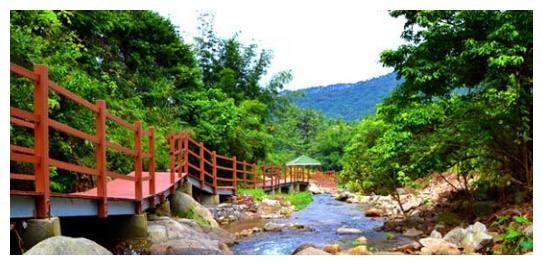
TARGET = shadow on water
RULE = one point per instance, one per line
(324, 215)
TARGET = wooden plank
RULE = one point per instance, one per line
(24, 158)
(194, 167)
(22, 123)
(152, 182)
(72, 96)
(171, 139)
(138, 164)
(23, 114)
(224, 168)
(73, 167)
(101, 162)
(193, 153)
(121, 148)
(120, 121)
(21, 176)
(202, 166)
(72, 131)
(21, 149)
(19, 70)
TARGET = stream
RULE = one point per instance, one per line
(324, 215)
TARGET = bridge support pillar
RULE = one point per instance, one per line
(290, 188)
(210, 199)
(40, 229)
(297, 187)
(134, 227)
(186, 187)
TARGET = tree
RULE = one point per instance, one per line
(465, 103)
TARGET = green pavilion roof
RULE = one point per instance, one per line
(303, 161)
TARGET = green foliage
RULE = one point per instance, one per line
(258, 194)
(300, 200)
(465, 103)
(515, 240)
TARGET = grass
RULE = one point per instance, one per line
(299, 199)
(258, 194)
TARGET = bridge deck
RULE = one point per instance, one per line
(125, 189)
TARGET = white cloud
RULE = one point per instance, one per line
(321, 44)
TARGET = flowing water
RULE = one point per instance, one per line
(324, 215)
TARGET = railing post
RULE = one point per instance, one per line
(214, 158)
(101, 178)
(244, 173)
(254, 175)
(138, 185)
(172, 161)
(186, 152)
(41, 140)
(235, 173)
(181, 154)
(263, 168)
(152, 183)
(202, 159)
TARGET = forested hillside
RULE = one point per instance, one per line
(347, 101)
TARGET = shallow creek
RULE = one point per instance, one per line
(324, 215)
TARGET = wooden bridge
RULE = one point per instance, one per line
(116, 193)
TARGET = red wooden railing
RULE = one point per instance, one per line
(191, 158)
(187, 156)
(39, 121)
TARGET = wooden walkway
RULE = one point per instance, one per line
(116, 193)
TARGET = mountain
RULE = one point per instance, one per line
(348, 101)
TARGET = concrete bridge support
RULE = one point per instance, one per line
(290, 188)
(210, 199)
(133, 227)
(40, 229)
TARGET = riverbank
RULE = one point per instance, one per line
(441, 220)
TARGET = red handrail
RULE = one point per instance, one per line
(39, 121)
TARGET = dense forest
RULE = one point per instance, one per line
(347, 101)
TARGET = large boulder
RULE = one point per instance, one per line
(183, 236)
(311, 251)
(183, 205)
(473, 238)
(437, 246)
(63, 245)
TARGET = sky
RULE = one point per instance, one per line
(321, 45)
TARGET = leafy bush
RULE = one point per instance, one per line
(258, 194)
(515, 240)
(300, 200)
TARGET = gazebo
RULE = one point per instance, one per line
(297, 167)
